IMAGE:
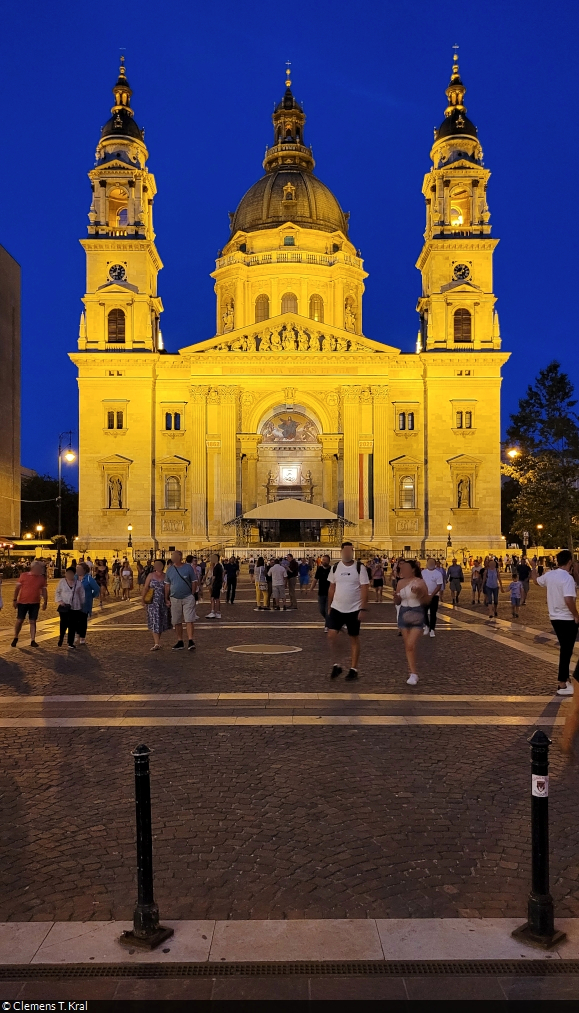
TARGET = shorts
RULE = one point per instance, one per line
(525, 584)
(304, 581)
(491, 594)
(476, 584)
(28, 608)
(350, 620)
(410, 618)
(183, 610)
(278, 591)
(216, 590)
(456, 585)
(378, 582)
(515, 602)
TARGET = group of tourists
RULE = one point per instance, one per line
(74, 597)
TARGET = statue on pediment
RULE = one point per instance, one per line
(328, 343)
(228, 316)
(276, 342)
(289, 341)
(303, 341)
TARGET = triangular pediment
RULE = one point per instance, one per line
(461, 286)
(404, 460)
(290, 332)
(115, 459)
(174, 459)
(464, 459)
(117, 287)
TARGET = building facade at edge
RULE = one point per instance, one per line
(289, 411)
(9, 396)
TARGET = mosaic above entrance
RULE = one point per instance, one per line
(289, 427)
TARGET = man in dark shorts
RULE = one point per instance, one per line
(322, 579)
(347, 600)
(29, 589)
(216, 585)
(524, 573)
(231, 571)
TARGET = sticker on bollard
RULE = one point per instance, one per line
(539, 929)
(146, 933)
(539, 785)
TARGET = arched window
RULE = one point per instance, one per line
(468, 420)
(261, 308)
(289, 303)
(462, 326)
(402, 421)
(177, 421)
(459, 420)
(122, 218)
(120, 420)
(410, 421)
(168, 420)
(173, 493)
(317, 309)
(407, 492)
(110, 420)
(116, 325)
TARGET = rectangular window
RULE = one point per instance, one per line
(120, 420)
(289, 241)
(110, 420)
(459, 420)
(468, 420)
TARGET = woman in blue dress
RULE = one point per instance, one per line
(157, 609)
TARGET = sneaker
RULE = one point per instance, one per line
(326, 630)
(82, 640)
(71, 647)
(258, 609)
(210, 615)
(352, 674)
(33, 643)
(336, 671)
(432, 633)
(179, 646)
(425, 631)
(156, 647)
(217, 615)
(191, 646)
(565, 690)
(14, 642)
(412, 679)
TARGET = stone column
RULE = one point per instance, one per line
(198, 472)
(228, 482)
(351, 428)
(249, 443)
(330, 449)
(381, 470)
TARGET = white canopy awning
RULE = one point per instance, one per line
(290, 510)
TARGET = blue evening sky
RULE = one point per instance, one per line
(205, 78)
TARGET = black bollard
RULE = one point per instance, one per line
(539, 929)
(146, 933)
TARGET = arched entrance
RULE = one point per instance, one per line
(289, 466)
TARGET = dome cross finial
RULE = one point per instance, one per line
(288, 64)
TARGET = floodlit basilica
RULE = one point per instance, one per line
(289, 427)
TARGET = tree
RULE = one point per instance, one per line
(546, 432)
(43, 491)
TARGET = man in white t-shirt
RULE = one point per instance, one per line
(433, 580)
(347, 600)
(562, 605)
(278, 574)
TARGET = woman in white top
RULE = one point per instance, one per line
(69, 598)
(412, 595)
(126, 580)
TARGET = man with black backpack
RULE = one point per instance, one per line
(347, 600)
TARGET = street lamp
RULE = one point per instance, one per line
(512, 453)
(39, 530)
(69, 457)
(449, 539)
(130, 530)
(539, 531)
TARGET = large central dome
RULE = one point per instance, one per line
(289, 191)
(311, 204)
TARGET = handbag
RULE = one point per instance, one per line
(64, 608)
(148, 596)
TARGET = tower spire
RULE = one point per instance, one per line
(288, 133)
(122, 92)
(456, 90)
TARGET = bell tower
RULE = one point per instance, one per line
(457, 306)
(122, 308)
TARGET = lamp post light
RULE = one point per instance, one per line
(449, 539)
(39, 530)
(130, 542)
(69, 456)
(513, 453)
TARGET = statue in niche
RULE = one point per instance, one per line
(463, 492)
(115, 493)
(228, 316)
(349, 316)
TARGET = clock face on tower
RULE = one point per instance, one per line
(461, 272)
(118, 273)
